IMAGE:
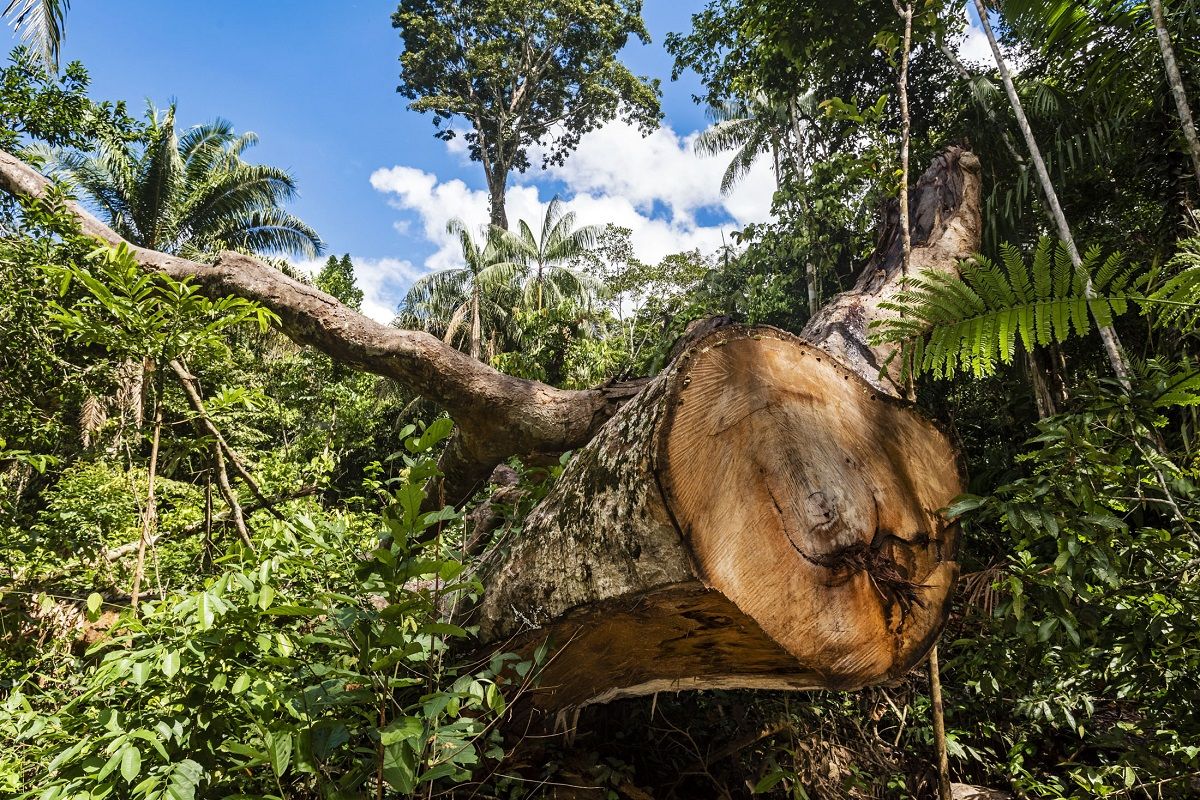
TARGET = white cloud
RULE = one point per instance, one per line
(383, 282)
(654, 185)
(975, 49)
(616, 160)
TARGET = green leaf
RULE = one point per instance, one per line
(131, 763)
(495, 699)
(140, 672)
(170, 663)
(279, 744)
(204, 611)
(184, 778)
(109, 766)
(400, 767)
(962, 504)
(769, 781)
(402, 730)
(94, 601)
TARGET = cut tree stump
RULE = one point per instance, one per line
(758, 517)
(763, 514)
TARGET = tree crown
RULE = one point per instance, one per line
(523, 72)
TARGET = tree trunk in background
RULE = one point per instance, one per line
(497, 180)
(1108, 335)
(476, 345)
(762, 515)
(906, 14)
(1176, 82)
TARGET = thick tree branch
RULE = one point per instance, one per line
(497, 415)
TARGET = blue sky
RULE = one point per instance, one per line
(316, 81)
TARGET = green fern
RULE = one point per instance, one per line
(971, 322)
(1177, 302)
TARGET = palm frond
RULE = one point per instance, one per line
(41, 23)
(190, 192)
(270, 230)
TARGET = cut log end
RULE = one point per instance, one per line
(810, 500)
(790, 510)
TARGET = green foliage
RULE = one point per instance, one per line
(313, 667)
(92, 506)
(40, 22)
(972, 321)
(522, 72)
(460, 302)
(545, 259)
(190, 193)
(1089, 648)
(336, 278)
(38, 104)
(561, 345)
(1177, 302)
(129, 311)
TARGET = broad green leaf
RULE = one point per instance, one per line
(183, 781)
(141, 671)
(170, 663)
(279, 745)
(131, 763)
(402, 730)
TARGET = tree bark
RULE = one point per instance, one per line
(762, 515)
(906, 14)
(497, 180)
(1175, 80)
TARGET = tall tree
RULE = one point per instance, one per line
(522, 73)
(751, 129)
(547, 255)
(336, 278)
(1108, 335)
(191, 194)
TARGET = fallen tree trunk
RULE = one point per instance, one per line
(496, 415)
(764, 514)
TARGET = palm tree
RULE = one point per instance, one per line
(750, 128)
(753, 128)
(190, 194)
(545, 257)
(40, 22)
(457, 301)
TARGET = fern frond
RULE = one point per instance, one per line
(1177, 302)
(970, 322)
